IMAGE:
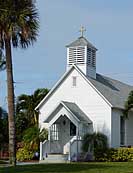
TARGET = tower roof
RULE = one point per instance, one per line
(81, 41)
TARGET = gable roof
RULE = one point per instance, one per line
(62, 79)
(112, 91)
(81, 41)
(73, 109)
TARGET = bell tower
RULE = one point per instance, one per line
(83, 54)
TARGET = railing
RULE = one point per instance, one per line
(44, 149)
(75, 148)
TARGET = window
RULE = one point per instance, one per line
(74, 81)
(72, 129)
(122, 130)
(55, 132)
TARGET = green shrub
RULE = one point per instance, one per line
(24, 154)
(94, 141)
(114, 155)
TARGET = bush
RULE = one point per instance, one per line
(94, 141)
(114, 155)
(24, 154)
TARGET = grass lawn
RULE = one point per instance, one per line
(126, 167)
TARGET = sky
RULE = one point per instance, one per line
(109, 27)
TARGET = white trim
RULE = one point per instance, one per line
(54, 88)
(60, 81)
(73, 118)
(70, 111)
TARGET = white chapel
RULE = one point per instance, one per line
(81, 102)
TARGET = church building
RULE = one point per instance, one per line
(81, 102)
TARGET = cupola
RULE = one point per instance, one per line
(83, 54)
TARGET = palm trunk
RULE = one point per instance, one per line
(11, 106)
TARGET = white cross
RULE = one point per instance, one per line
(82, 30)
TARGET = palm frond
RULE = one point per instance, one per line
(20, 21)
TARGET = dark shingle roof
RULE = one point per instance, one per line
(81, 41)
(114, 91)
(74, 108)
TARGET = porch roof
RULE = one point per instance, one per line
(74, 109)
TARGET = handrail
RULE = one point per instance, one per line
(45, 141)
(74, 139)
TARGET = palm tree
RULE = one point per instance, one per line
(26, 104)
(26, 115)
(128, 104)
(18, 28)
(93, 141)
(33, 136)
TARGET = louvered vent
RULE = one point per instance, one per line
(76, 55)
(91, 57)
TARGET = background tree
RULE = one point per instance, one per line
(128, 104)
(26, 115)
(2, 61)
(28, 132)
(18, 28)
(3, 129)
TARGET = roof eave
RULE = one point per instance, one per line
(62, 78)
(52, 90)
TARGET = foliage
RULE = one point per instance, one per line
(3, 128)
(24, 154)
(128, 104)
(92, 141)
(43, 135)
(26, 105)
(26, 115)
(18, 22)
(32, 137)
(114, 155)
(22, 124)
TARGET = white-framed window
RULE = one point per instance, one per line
(54, 130)
(122, 130)
(74, 81)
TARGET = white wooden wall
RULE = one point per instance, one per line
(86, 98)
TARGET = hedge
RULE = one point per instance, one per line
(114, 155)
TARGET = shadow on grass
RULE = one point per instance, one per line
(56, 168)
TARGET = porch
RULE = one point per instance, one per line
(67, 124)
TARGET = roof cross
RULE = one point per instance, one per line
(82, 30)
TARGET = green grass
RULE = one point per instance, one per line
(126, 167)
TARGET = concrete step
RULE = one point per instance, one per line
(55, 158)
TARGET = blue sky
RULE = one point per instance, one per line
(109, 25)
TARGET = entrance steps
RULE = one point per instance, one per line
(55, 158)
